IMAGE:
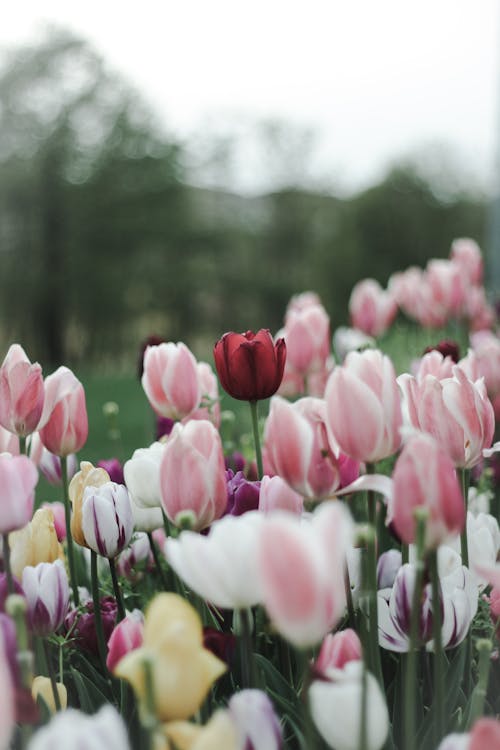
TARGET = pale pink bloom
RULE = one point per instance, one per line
(193, 475)
(424, 477)
(433, 363)
(447, 285)
(307, 338)
(299, 450)
(209, 406)
(301, 565)
(293, 383)
(372, 309)
(338, 649)
(316, 381)
(485, 734)
(363, 409)
(302, 301)
(405, 287)
(276, 494)
(9, 443)
(256, 723)
(467, 254)
(456, 411)
(64, 425)
(470, 366)
(479, 312)
(127, 636)
(18, 478)
(58, 512)
(7, 704)
(21, 392)
(48, 463)
(171, 380)
(486, 347)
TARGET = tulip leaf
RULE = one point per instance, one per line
(454, 697)
(89, 695)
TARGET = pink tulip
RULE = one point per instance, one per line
(127, 636)
(9, 443)
(307, 338)
(486, 347)
(193, 475)
(64, 423)
(209, 407)
(48, 463)
(372, 309)
(59, 519)
(170, 380)
(301, 566)
(456, 411)
(406, 288)
(434, 363)
(338, 649)
(447, 286)
(7, 704)
(466, 253)
(298, 447)
(302, 301)
(480, 314)
(363, 410)
(21, 392)
(485, 734)
(424, 477)
(275, 494)
(18, 478)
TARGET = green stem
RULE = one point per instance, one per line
(370, 595)
(463, 536)
(363, 728)
(69, 538)
(101, 645)
(371, 501)
(22, 445)
(479, 695)
(348, 595)
(148, 708)
(6, 563)
(256, 437)
(156, 558)
(304, 670)
(247, 663)
(411, 659)
(117, 590)
(52, 676)
(438, 649)
(405, 553)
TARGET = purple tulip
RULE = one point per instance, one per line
(114, 469)
(82, 626)
(242, 495)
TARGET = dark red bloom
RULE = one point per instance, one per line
(221, 644)
(447, 348)
(82, 626)
(250, 365)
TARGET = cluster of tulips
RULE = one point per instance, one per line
(341, 590)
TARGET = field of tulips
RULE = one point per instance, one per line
(332, 583)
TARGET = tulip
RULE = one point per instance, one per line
(406, 288)
(301, 567)
(57, 510)
(434, 363)
(479, 313)
(388, 566)
(218, 732)
(46, 590)
(485, 735)
(372, 310)
(21, 392)
(127, 636)
(307, 338)
(447, 287)
(242, 495)
(81, 626)
(182, 671)
(35, 543)
(483, 541)
(137, 552)
(216, 566)
(209, 407)
(456, 411)
(18, 478)
(250, 365)
(256, 723)
(299, 450)
(7, 704)
(107, 521)
(486, 347)
(302, 301)
(9, 443)
(170, 380)
(63, 425)
(363, 409)
(48, 463)
(337, 650)
(424, 477)
(88, 476)
(455, 741)
(466, 254)
(146, 519)
(105, 730)
(114, 469)
(275, 494)
(142, 475)
(346, 340)
(335, 706)
(192, 475)
(42, 688)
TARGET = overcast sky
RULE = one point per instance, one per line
(374, 79)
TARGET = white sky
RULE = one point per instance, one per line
(374, 79)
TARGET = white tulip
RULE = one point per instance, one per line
(104, 730)
(142, 475)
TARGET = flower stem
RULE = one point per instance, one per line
(348, 595)
(363, 728)
(247, 663)
(69, 538)
(438, 649)
(22, 445)
(97, 609)
(156, 558)
(6, 563)
(117, 590)
(479, 695)
(464, 549)
(370, 595)
(256, 437)
(148, 708)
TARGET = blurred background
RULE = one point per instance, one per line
(183, 167)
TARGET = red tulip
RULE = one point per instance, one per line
(250, 365)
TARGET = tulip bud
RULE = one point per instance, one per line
(275, 494)
(466, 253)
(127, 635)
(42, 688)
(88, 476)
(307, 338)
(242, 495)
(372, 309)
(142, 475)
(256, 723)
(337, 650)
(21, 392)
(18, 478)
(63, 425)
(82, 627)
(388, 565)
(114, 468)
(170, 380)
(107, 521)
(35, 543)
(250, 365)
(105, 730)
(48, 463)
(47, 594)
(138, 551)
(57, 510)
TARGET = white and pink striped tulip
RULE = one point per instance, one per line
(372, 309)
(170, 380)
(276, 494)
(126, 636)
(466, 253)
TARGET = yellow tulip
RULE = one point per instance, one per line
(218, 733)
(182, 671)
(41, 686)
(35, 543)
(88, 476)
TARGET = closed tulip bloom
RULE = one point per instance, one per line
(298, 447)
(193, 475)
(21, 392)
(80, 623)
(47, 594)
(456, 411)
(137, 552)
(447, 286)
(127, 636)
(146, 519)
(424, 477)
(466, 253)
(335, 706)
(35, 543)
(255, 720)
(88, 476)
(216, 566)
(434, 363)
(42, 687)
(301, 566)
(337, 650)
(250, 365)
(363, 410)
(170, 380)
(372, 309)
(142, 475)
(209, 407)
(307, 338)
(104, 730)
(276, 494)
(107, 520)
(7, 704)
(487, 355)
(242, 494)
(18, 478)
(58, 512)
(48, 463)
(64, 424)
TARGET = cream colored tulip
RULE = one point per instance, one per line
(35, 543)
(88, 476)
(41, 687)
